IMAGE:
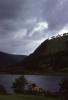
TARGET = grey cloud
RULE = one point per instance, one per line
(56, 15)
(18, 18)
(10, 8)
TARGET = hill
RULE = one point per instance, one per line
(50, 56)
(7, 60)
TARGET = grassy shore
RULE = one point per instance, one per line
(26, 97)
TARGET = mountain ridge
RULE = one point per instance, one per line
(50, 57)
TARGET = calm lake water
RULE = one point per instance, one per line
(50, 83)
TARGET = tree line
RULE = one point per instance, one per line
(22, 86)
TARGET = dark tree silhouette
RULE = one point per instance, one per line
(64, 88)
(19, 84)
(2, 89)
(33, 85)
(31, 89)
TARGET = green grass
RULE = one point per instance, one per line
(26, 97)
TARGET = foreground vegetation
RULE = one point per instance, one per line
(26, 97)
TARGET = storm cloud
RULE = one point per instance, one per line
(24, 24)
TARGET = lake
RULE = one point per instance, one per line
(47, 82)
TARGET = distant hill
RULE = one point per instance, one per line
(7, 60)
(50, 57)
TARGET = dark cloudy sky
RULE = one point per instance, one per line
(24, 24)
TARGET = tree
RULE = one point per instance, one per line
(33, 88)
(29, 87)
(19, 84)
(37, 90)
(2, 89)
(64, 88)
